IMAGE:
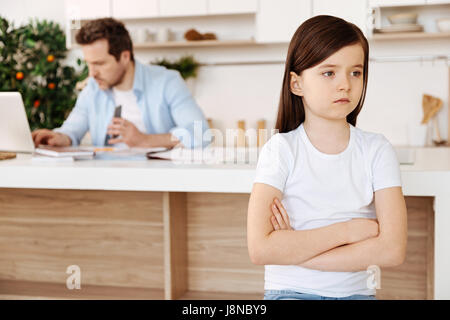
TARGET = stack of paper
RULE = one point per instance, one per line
(124, 153)
(65, 154)
(56, 154)
(40, 158)
(209, 155)
(64, 151)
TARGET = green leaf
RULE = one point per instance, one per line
(186, 65)
(23, 42)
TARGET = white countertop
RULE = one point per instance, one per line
(429, 175)
(132, 175)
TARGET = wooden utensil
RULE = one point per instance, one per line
(448, 103)
(431, 106)
(241, 133)
(210, 123)
(262, 136)
(7, 155)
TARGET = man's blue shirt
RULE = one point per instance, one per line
(163, 98)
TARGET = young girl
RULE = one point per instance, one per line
(342, 209)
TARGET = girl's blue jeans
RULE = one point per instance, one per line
(293, 295)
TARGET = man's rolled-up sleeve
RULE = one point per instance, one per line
(77, 123)
(191, 125)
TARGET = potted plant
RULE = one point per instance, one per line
(31, 62)
(186, 65)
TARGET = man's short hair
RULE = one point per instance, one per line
(110, 29)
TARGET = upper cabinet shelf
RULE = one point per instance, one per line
(192, 44)
(404, 3)
(427, 11)
(262, 20)
(265, 21)
(138, 9)
(411, 35)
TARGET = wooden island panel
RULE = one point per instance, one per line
(116, 238)
(155, 245)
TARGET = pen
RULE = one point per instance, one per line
(103, 149)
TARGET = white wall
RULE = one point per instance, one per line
(393, 103)
(394, 99)
(230, 93)
(20, 11)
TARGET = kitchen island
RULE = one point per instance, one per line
(160, 230)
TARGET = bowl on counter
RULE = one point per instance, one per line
(403, 18)
(443, 24)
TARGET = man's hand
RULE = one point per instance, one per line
(128, 132)
(51, 138)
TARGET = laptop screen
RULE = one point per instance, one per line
(15, 134)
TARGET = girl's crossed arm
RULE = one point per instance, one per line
(288, 247)
(386, 250)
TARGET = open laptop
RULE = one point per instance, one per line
(15, 134)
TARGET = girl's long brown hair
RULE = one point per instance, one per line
(314, 41)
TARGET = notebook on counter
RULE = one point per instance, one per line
(41, 158)
(62, 152)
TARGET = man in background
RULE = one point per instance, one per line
(157, 108)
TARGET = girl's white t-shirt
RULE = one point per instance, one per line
(320, 189)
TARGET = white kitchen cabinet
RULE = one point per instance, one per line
(353, 11)
(393, 3)
(276, 21)
(87, 9)
(232, 6)
(173, 8)
(129, 9)
(438, 2)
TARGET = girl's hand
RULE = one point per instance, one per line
(279, 218)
